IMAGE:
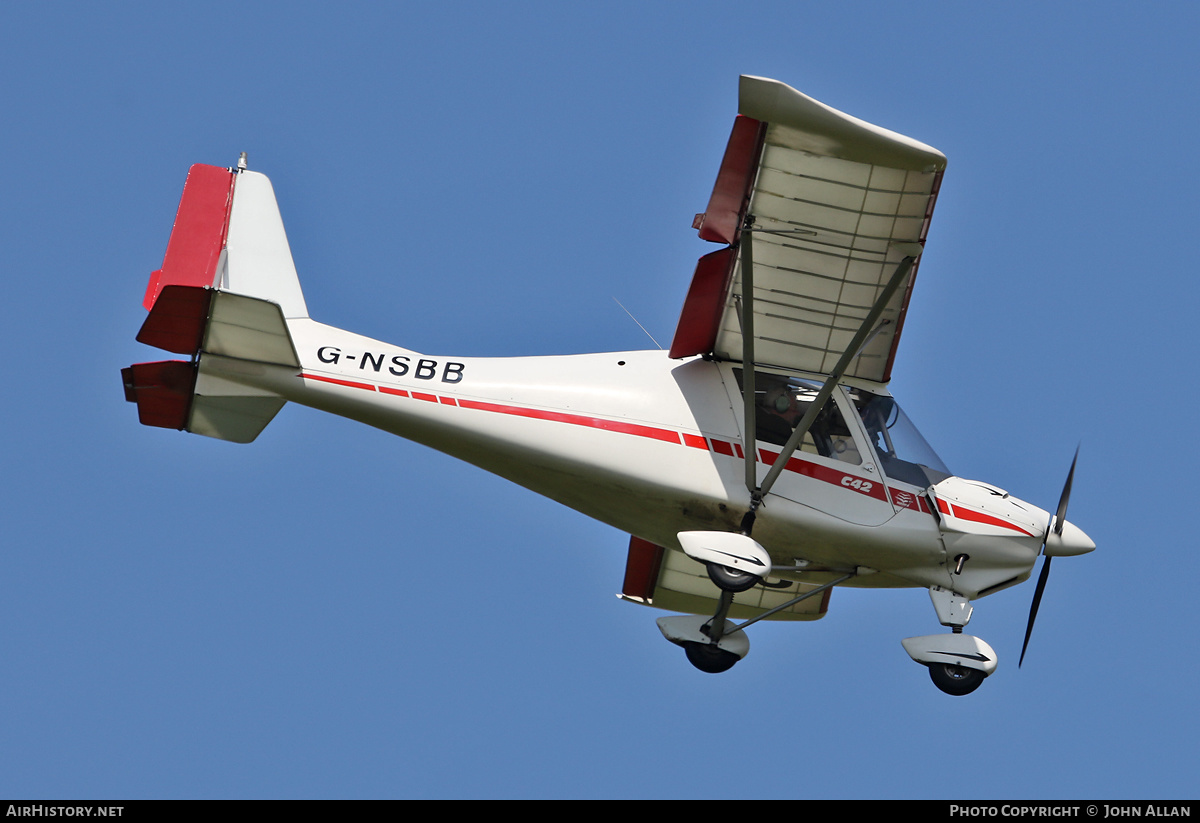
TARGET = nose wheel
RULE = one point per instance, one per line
(956, 680)
(958, 663)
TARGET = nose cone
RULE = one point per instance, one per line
(1072, 541)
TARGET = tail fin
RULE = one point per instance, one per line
(227, 286)
(228, 235)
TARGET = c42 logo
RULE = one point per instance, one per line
(858, 484)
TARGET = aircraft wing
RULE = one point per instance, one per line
(833, 205)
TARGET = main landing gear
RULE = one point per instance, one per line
(731, 580)
(706, 649)
(735, 563)
(958, 663)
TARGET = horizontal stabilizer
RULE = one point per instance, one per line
(249, 329)
(233, 418)
(205, 322)
(177, 319)
(172, 395)
(191, 320)
(163, 392)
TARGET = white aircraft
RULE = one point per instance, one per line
(758, 464)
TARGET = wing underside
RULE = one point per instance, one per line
(832, 205)
(669, 579)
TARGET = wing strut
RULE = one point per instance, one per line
(749, 380)
(788, 604)
(757, 491)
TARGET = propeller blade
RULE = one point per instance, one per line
(1060, 519)
(1033, 610)
(1060, 516)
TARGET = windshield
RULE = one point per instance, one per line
(902, 450)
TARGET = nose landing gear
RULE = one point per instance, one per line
(954, 679)
(958, 663)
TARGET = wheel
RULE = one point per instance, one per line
(708, 657)
(731, 580)
(956, 680)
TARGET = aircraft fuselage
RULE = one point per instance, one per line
(648, 445)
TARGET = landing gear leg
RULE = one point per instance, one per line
(714, 645)
(711, 644)
(710, 657)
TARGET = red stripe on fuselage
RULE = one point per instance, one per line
(721, 447)
(652, 432)
(870, 487)
(338, 382)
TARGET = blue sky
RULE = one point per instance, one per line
(181, 617)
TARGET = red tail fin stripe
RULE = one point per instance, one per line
(198, 235)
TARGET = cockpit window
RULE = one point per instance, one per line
(902, 450)
(781, 402)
